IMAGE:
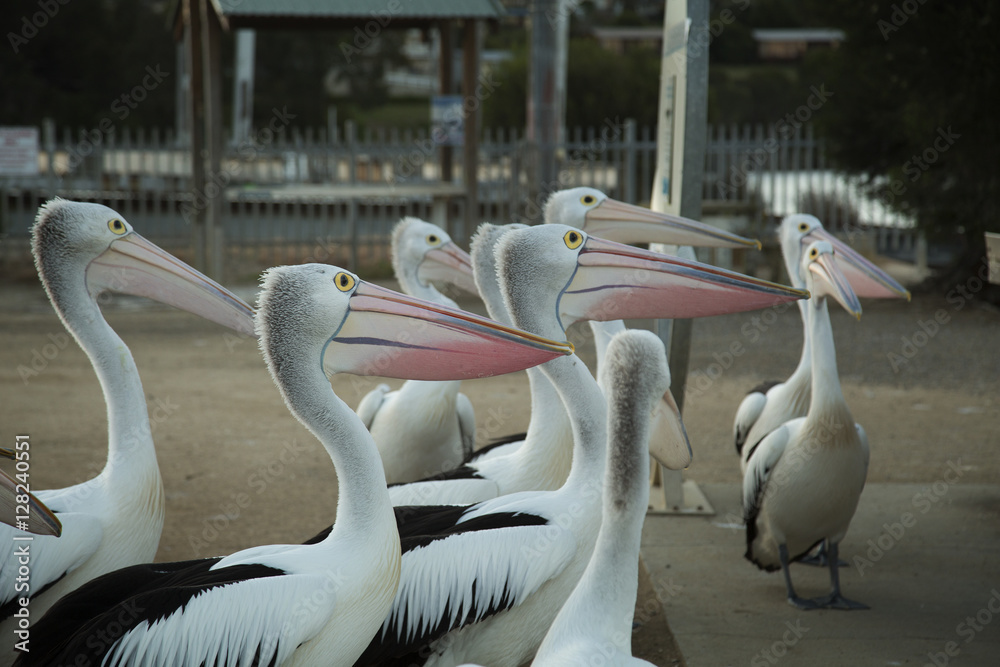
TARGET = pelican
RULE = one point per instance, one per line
(314, 604)
(597, 618)
(114, 519)
(35, 517)
(540, 460)
(592, 211)
(803, 480)
(771, 404)
(489, 596)
(424, 427)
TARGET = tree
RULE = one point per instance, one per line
(915, 96)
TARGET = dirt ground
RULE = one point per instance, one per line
(923, 378)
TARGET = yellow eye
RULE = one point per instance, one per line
(432, 239)
(117, 226)
(573, 239)
(814, 253)
(588, 200)
(344, 281)
(803, 227)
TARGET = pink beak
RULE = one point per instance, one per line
(831, 281)
(615, 281)
(133, 265)
(399, 336)
(866, 279)
(448, 264)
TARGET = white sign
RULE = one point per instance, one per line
(19, 151)
(447, 120)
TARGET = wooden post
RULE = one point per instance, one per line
(470, 108)
(216, 180)
(541, 116)
(445, 87)
(196, 125)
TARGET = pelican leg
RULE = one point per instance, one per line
(793, 599)
(835, 600)
(818, 558)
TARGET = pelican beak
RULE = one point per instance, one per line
(668, 439)
(40, 519)
(625, 223)
(831, 281)
(398, 336)
(615, 281)
(448, 264)
(133, 265)
(866, 279)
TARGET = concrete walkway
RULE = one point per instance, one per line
(925, 557)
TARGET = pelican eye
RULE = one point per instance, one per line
(588, 200)
(432, 239)
(573, 239)
(344, 281)
(814, 253)
(117, 226)
(803, 226)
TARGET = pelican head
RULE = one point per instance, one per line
(78, 243)
(423, 253)
(563, 270)
(597, 214)
(825, 278)
(797, 231)
(355, 327)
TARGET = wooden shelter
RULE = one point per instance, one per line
(200, 24)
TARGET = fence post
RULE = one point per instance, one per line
(629, 189)
(350, 138)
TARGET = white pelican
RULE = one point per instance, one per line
(489, 594)
(803, 480)
(114, 519)
(315, 604)
(596, 621)
(771, 404)
(16, 499)
(424, 427)
(597, 214)
(541, 459)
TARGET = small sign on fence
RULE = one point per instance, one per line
(993, 255)
(447, 120)
(19, 151)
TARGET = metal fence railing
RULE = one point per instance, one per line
(296, 195)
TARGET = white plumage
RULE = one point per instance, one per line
(114, 519)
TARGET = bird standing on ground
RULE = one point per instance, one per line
(804, 479)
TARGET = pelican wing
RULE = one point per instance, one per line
(747, 414)
(760, 462)
(369, 406)
(240, 615)
(450, 491)
(466, 425)
(49, 558)
(487, 564)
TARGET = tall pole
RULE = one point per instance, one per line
(677, 187)
(542, 116)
